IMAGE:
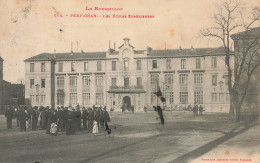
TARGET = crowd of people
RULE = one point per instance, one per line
(62, 119)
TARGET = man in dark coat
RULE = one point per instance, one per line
(34, 119)
(132, 108)
(70, 127)
(78, 119)
(106, 118)
(65, 117)
(59, 118)
(23, 118)
(9, 117)
(201, 109)
(90, 119)
(160, 113)
(85, 118)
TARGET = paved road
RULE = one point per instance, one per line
(135, 138)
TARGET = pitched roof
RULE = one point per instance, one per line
(187, 52)
(67, 56)
(151, 54)
(251, 33)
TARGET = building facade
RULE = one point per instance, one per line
(126, 77)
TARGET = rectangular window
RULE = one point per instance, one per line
(198, 78)
(221, 97)
(60, 97)
(168, 64)
(113, 65)
(139, 82)
(183, 78)
(86, 99)
(31, 67)
(126, 82)
(138, 64)
(42, 99)
(60, 81)
(86, 80)
(213, 62)
(183, 64)
(214, 80)
(42, 67)
(227, 98)
(153, 99)
(43, 83)
(73, 98)
(31, 83)
(85, 66)
(168, 78)
(214, 97)
(198, 97)
(126, 65)
(154, 64)
(169, 97)
(99, 66)
(60, 67)
(197, 63)
(32, 98)
(73, 68)
(37, 99)
(184, 97)
(114, 81)
(226, 79)
(73, 80)
(99, 80)
(99, 98)
(154, 79)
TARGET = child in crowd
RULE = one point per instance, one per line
(95, 128)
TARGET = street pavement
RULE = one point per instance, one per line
(140, 138)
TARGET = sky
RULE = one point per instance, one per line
(29, 27)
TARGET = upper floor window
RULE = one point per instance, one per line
(43, 83)
(138, 64)
(31, 67)
(183, 78)
(73, 80)
(113, 65)
(60, 81)
(85, 66)
(168, 64)
(198, 78)
(197, 63)
(126, 82)
(139, 82)
(214, 80)
(99, 66)
(114, 81)
(155, 79)
(154, 64)
(99, 80)
(31, 83)
(42, 67)
(86, 80)
(213, 62)
(73, 68)
(183, 63)
(168, 78)
(60, 67)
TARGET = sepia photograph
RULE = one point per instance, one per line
(138, 81)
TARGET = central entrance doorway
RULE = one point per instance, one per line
(126, 103)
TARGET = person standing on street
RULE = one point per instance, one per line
(34, 119)
(85, 118)
(9, 117)
(23, 118)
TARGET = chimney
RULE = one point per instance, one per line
(180, 48)
(109, 44)
(82, 51)
(114, 46)
(149, 49)
(192, 49)
(54, 51)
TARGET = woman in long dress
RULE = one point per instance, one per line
(95, 128)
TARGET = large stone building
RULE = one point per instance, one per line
(126, 76)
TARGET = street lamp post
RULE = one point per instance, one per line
(37, 86)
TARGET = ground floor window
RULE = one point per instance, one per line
(60, 99)
(169, 97)
(86, 99)
(99, 98)
(184, 97)
(198, 97)
(153, 99)
(214, 97)
(221, 97)
(73, 98)
(227, 98)
(32, 98)
(42, 99)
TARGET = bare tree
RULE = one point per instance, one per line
(229, 19)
